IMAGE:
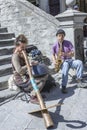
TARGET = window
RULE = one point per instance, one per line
(82, 5)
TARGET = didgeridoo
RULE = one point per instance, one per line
(44, 111)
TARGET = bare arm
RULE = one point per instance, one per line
(17, 66)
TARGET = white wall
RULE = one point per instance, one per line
(23, 17)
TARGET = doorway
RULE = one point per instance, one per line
(54, 7)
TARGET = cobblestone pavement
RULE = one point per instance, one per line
(71, 115)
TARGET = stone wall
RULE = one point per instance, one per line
(20, 16)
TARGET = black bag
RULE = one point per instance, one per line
(29, 48)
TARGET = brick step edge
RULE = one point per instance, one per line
(3, 85)
(6, 95)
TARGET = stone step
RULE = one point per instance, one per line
(6, 94)
(4, 82)
(4, 78)
(5, 66)
(6, 50)
(7, 47)
(5, 70)
(5, 59)
(6, 35)
(3, 30)
(6, 42)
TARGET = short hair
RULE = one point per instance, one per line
(60, 31)
(21, 39)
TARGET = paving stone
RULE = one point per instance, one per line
(71, 115)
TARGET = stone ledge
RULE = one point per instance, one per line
(6, 94)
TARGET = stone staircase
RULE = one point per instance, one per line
(6, 48)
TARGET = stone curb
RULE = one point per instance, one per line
(6, 94)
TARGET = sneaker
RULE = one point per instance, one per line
(34, 100)
(81, 84)
(63, 90)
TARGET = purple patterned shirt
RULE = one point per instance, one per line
(66, 47)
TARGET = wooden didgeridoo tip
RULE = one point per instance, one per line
(47, 118)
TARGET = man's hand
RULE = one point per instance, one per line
(34, 63)
(68, 54)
